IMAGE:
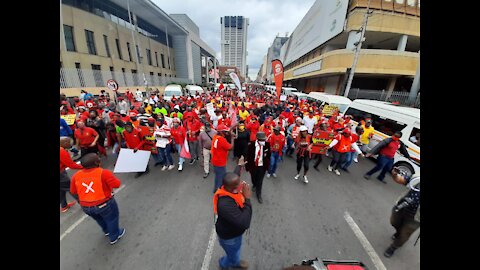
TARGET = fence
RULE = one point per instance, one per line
(400, 97)
(77, 78)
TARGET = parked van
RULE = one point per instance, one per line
(300, 95)
(387, 119)
(172, 90)
(328, 99)
(194, 89)
(288, 90)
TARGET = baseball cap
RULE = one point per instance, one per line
(261, 135)
(303, 128)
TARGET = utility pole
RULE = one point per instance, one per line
(415, 85)
(357, 50)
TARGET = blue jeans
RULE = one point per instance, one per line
(348, 160)
(219, 174)
(232, 249)
(165, 157)
(274, 159)
(179, 150)
(383, 163)
(289, 150)
(107, 217)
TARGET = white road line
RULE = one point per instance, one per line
(364, 241)
(208, 253)
(74, 225)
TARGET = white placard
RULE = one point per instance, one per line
(132, 162)
(283, 97)
(210, 109)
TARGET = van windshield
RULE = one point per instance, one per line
(170, 93)
(341, 107)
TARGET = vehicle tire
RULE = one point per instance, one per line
(402, 165)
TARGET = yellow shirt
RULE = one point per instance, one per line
(148, 109)
(365, 139)
(243, 114)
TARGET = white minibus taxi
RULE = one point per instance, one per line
(328, 99)
(388, 118)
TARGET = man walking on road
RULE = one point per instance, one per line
(386, 150)
(233, 209)
(94, 188)
(258, 162)
(66, 162)
(205, 139)
(220, 148)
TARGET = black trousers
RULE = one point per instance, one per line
(404, 224)
(319, 159)
(257, 175)
(88, 150)
(306, 162)
(64, 188)
(338, 159)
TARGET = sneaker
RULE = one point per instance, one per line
(119, 236)
(337, 172)
(345, 170)
(389, 252)
(382, 180)
(329, 168)
(326, 154)
(107, 234)
(180, 168)
(366, 176)
(164, 167)
(355, 160)
(268, 175)
(305, 179)
(192, 161)
(297, 176)
(171, 167)
(70, 204)
(205, 175)
(274, 175)
(243, 265)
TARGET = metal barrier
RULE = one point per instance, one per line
(77, 78)
(396, 96)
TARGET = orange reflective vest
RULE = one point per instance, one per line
(239, 199)
(89, 185)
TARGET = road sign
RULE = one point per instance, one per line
(112, 85)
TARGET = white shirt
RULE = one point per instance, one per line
(139, 95)
(214, 118)
(260, 160)
(310, 123)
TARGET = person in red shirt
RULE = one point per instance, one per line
(134, 140)
(253, 126)
(267, 127)
(341, 145)
(277, 142)
(112, 138)
(82, 113)
(352, 154)
(192, 126)
(66, 162)
(178, 134)
(94, 185)
(219, 150)
(86, 139)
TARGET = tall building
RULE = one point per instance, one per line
(234, 42)
(319, 53)
(274, 53)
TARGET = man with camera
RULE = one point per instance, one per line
(406, 212)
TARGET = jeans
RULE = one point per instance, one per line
(274, 160)
(179, 150)
(348, 160)
(165, 157)
(383, 163)
(404, 224)
(219, 174)
(107, 217)
(232, 249)
(289, 150)
(193, 147)
(206, 160)
(338, 159)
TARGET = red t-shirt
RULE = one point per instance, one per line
(178, 134)
(390, 150)
(133, 139)
(66, 161)
(86, 136)
(277, 142)
(109, 181)
(220, 148)
(193, 126)
(253, 128)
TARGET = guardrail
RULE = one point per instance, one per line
(396, 96)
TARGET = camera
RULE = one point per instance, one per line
(406, 202)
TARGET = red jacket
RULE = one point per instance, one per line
(253, 128)
(178, 134)
(194, 128)
(390, 150)
(276, 143)
(66, 161)
(85, 136)
(134, 139)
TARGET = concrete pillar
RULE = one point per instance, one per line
(391, 86)
(402, 44)
(415, 84)
(353, 36)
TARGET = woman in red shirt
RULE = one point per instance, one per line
(178, 134)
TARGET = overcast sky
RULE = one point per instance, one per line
(267, 18)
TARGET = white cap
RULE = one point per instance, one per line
(177, 107)
(145, 101)
(299, 118)
(303, 128)
(123, 112)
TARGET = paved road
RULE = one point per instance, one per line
(168, 218)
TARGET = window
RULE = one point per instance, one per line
(105, 39)
(113, 73)
(118, 49)
(163, 60)
(129, 52)
(415, 136)
(151, 78)
(139, 57)
(69, 42)
(80, 74)
(382, 124)
(124, 77)
(90, 42)
(135, 77)
(149, 58)
(97, 75)
(169, 63)
(156, 59)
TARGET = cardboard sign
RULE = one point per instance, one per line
(283, 98)
(69, 118)
(321, 139)
(329, 110)
(128, 161)
(210, 109)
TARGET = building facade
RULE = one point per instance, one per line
(319, 57)
(100, 41)
(274, 53)
(234, 31)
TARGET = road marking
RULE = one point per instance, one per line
(78, 162)
(208, 253)
(364, 241)
(74, 225)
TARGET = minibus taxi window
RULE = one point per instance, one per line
(386, 126)
(415, 136)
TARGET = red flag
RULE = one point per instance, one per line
(185, 151)
(277, 68)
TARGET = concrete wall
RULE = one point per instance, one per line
(197, 64)
(179, 42)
